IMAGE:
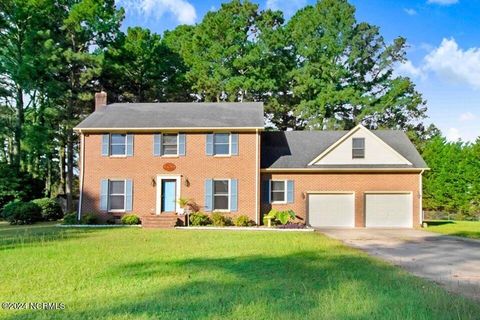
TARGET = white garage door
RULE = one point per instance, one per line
(331, 210)
(389, 210)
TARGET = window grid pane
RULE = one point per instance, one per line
(221, 143)
(169, 144)
(117, 195)
(118, 144)
(278, 186)
(278, 196)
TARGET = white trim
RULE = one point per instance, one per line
(420, 200)
(284, 191)
(330, 192)
(346, 136)
(178, 180)
(257, 175)
(82, 174)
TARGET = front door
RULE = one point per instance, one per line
(168, 201)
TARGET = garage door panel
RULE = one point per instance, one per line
(331, 210)
(389, 210)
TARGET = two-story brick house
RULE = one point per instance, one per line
(143, 157)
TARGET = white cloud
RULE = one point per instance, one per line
(467, 116)
(442, 2)
(453, 64)
(453, 134)
(410, 12)
(287, 7)
(183, 11)
(408, 69)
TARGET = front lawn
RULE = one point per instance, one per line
(186, 274)
(468, 229)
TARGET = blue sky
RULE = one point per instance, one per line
(443, 54)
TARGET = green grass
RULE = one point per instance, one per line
(178, 274)
(468, 229)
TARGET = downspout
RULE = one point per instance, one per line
(82, 173)
(257, 165)
(420, 189)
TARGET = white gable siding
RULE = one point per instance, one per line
(376, 151)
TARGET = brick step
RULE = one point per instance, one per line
(160, 221)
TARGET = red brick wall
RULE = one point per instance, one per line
(143, 167)
(356, 182)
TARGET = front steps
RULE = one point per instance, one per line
(165, 221)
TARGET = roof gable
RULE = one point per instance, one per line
(377, 151)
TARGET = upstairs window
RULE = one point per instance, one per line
(358, 148)
(221, 143)
(170, 144)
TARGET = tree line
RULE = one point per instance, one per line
(321, 69)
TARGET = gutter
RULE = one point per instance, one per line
(307, 170)
(257, 174)
(166, 129)
(82, 174)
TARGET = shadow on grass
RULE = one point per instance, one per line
(14, 237)
(438, 222)
(304, 285)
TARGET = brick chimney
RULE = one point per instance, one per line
(100, 100)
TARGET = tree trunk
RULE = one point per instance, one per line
(20, 119)
(70, 166)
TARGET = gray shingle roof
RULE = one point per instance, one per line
(295, 149)
(176, 115)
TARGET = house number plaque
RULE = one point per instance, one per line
(169, 166)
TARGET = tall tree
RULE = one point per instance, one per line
(141, 68)
(89, 27)
(25, 43)
(345, 71)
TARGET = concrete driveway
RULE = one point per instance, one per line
(450, 261)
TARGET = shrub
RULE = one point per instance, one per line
(285, 216)
(220, 220)
(199, 219)
(18, 212)
(279, 217)
(70, 218)
(89, 218)
(242, 221)
(130, 219)
(50, 209)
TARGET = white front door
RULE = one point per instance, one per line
(389, 210)
(331, 210)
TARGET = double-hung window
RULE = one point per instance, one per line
(118, 144)
(221, 143)
(278, 191)
(170, 144)
(358, 148)
(220, 195)
(116, 195)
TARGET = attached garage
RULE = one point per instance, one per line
(389, 210)
(331, 210)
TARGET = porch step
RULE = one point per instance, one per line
(159, 221)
